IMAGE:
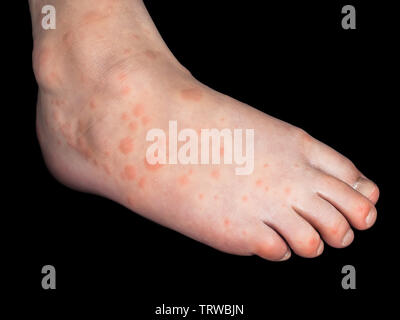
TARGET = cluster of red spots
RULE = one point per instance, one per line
(192, 94)
(126, 145)
(152, 167)
(215, 174)
(129, 172)
(245, 198)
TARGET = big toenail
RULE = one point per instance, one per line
(365, 187)
(348, 238)
(370, 217)
(286, 256)
(320, 248)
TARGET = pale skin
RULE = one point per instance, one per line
(106, 77)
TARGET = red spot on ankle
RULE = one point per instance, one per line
(259, 183)
(245, 198)
(193, 94)
(138, 110)
(152, 167)
(126, 145)
(215, 174)
(132, 126)
(130, 172)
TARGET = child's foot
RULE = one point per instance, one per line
(106, 77)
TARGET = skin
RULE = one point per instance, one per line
(99, 95)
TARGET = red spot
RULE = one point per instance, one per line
(266, 165)
(142, 182)
(145, 120)
(287, 190)
(190, 171)
(201, 196)
(124, 116)
(216, 197)
(126, 145)
(222, 119)
(152, 167)
(192, 94)
(245, 198)
(227, 222)
(221, 151)
(138, 110)
(126, 90)
(130, 172)
(106, 169)
(127, 51)
(92, 105)
(122, 76)
(267, 188)
(259, 183)
(133, 126)
(183, 180)
(244, 233)
(215, 174)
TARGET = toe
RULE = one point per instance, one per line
(358, 210)
(267, 244)
(332, 162)
(299, 234)
(331, 224)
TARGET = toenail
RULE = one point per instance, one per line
(286, 256)
(370, 217)
(365, 187)
(320, 248)
(348, 238)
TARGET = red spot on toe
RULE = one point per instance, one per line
(126, 145)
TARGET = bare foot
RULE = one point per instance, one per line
(106, 78)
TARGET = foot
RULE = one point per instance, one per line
(106, 78)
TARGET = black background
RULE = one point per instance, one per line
(290, 59)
